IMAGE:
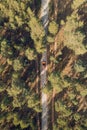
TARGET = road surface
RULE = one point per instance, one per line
(43, 70)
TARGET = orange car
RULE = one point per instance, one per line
(44, 63)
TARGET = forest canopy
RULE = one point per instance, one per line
(22, 43)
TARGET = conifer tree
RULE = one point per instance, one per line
(21, 40)
(73, 35)
(37, 32)
(53, 29)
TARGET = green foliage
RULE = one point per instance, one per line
(16, 120)
(14, 91)
(79, 66)
(62, 22)
(2, 118)
(17, 64)
(5, 103)
(15, 75)
(22, 38)
(53, 28)
(66, 107)
(73, 36)
(2, 86)
(57, 82)
(10, 61)
(29, 53)
(55, 127)
(34, 103)
(53, 59)
(77, 3)
(2, 68)
(47, 89)
(23, 124)
(10, 116)
(6, 49)
(62, 109)
(50, 39)
(77, 116)
(61, 123)
(81, 89)
(83, 92)
(37, 32)
(21, 16)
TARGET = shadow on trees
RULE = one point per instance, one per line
(63, 58)
(64, 9)
(83, 17)
(37, 4)
(28, 70)
(19, 36)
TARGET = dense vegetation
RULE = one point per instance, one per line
(21, 38)
(67, 80)
(22, 42)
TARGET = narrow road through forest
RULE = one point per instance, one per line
(43, 69)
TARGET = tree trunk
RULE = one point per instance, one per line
(38, 90)
(55, 9)
(53, 107)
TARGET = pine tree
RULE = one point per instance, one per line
(18, 64)
(53, 29)
(30, 54)
(37, 32)
(21, 39)
(73, 35)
